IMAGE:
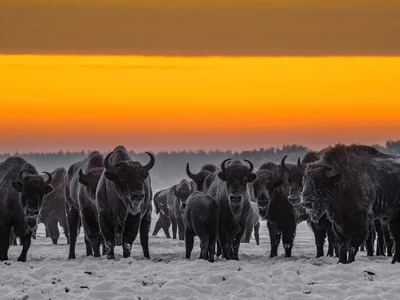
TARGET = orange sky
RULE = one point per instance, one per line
(56, 102)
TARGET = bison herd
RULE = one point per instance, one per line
(347, 194)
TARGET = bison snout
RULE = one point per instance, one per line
(32, 222)
(235, 199)
(183, 205)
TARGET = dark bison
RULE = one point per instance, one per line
(354, 185)
(201, 219)
(230, 189)
(124, 202)
(21, 196)
(176, 201)
(379, 230)
(80, 191)
(53, 208)
(271, 190)
(321, 228)
(200, 177)
(160, 204)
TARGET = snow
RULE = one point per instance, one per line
(167, 275)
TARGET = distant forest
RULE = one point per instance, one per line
(170, 166)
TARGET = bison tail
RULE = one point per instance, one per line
(156, 203)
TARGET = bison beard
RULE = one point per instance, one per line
(354, 185)
(21, 195)
(230, 190)
(124, 202)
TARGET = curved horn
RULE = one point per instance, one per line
(331, 172)
(48, 181)
(107, 165)
(301, 168)
(83, 176)
(223, 165)
(20, 176)
(189, 173)
(281, 174)
(151, 163)
(251, 168)
(283, 165)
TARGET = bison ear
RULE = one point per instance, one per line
(252, 177)
(17, 185)
(48, 189)
(221, 176)
(110, 176)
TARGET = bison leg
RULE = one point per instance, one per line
(159, 225)
(380, 244)
(388, 240)
(52, 227)
(369, 242)
(287, 240)
(211, 245)
(181, 228)
(189, 240)
(144, 233)
(132, 225)
(395, 229)
(73, 220)
(89, 251)
(257, 233)
(219, 248)
(319, 235)
(26, 243)
(174, 227)
(342, 253)
(331, 242)
(165, 226)
(4, 242)
(275, 239)
(362, 248)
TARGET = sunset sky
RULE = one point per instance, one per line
(175, 75)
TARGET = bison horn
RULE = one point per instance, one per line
(48, 181)
(21, 176)
(301, 168)
(151, 163)
(107, 165)
(283, 165)
(223, 165)
(189, 173)
(331, 173)
(251, 168)
(83, 176)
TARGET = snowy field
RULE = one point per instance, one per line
(167, 275)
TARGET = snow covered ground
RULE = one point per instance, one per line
(167, 275)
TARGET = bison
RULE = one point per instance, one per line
(323, 227)
(124, 202)
(160, 204)
(271, 191)
(200, 177)
(82, 181)
(22, 191)
(53, 209)
(354, 185)
(231, 191)
(201, 218)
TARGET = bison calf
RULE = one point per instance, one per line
(201, 219)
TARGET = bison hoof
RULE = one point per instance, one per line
(22, 259)
(72, 256)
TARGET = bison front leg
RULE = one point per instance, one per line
(4, 242)
(159, 225)
(275, 239)
(236, 242)
(144, 233)
(388, 240)
(107, 231)
(165, 226)
(287, 240)
(331, 242)
(73, 221)
(26, 244)
(319, 235)
(369, 242)
(52, 228)
(257, 233)
(395, 229)
(89, 251)
(181, 229)
(132, 225)
(174, 226)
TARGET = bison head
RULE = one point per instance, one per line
(200, 177)
(32, 189)
(90, 180)
(237, 176)
(320, 187)
(267, 181)
(182, 192)
(295, 179)
(129, 179)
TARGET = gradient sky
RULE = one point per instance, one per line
(176, 75)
